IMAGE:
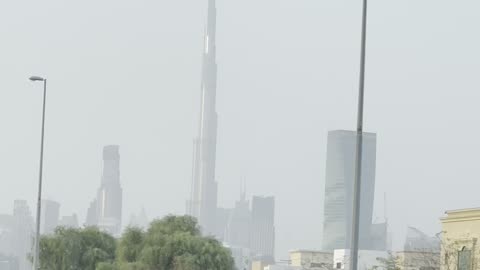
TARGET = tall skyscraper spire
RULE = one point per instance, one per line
(106, 210)
(203, 201)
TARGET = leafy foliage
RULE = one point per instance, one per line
(76, 249)
(172, 243)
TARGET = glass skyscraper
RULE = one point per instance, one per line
(339, 184)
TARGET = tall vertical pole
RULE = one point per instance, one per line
(358, 158)
(36, 263)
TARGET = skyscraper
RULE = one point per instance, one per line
(106, 210)
(339, 181)
(262, 241)
(22, 233)
(203, 198)
(49, 217)
(69, 221)
(237, 233)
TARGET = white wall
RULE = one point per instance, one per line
(367, 259)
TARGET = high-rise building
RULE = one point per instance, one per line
(6, 229)
(339, 184)
(69, 221)
(203, 200)
(237, 233)
(379, 236)
(105, 211)
(49, 217)
(92, 214)
(22, 233)
(221, 223)
(262, 241)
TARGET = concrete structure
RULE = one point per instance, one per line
(262, 241)
(106, 210)
(203, 198)
(49, 217)
(417, 260)
(460, 233)
(311, 259)
(339, 181)
(367, 259)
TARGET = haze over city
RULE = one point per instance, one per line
(128, 73)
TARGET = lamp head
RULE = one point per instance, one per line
(36, 78)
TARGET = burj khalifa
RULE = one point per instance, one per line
(203, 197)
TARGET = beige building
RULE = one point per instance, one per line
(460, 233)
(259, 265)
(418, 260)
(310, 259)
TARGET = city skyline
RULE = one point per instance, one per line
(281, 93)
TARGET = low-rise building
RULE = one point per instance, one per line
(460, 234)
(259, 265)
(282, 267)
(367, 259)
(311, 259)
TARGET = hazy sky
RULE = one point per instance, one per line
(128, 73)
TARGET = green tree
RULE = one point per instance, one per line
(172, 243)
(131, 245)
(76, 249)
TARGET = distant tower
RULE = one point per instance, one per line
(339, 180)
(69, 221)
(262, 242)
(106, 210)
(237, 232)
(203, 200)
(50, 216)
(22, 233)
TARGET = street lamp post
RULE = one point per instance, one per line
(358, 155)
(36, 264)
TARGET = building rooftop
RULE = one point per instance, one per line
(352, 132)
(309, 251)
(416, 252)
(461, 215)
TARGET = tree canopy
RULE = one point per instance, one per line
(76, 249)
(172, 243)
